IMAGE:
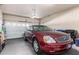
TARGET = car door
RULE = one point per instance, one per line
(29, 33)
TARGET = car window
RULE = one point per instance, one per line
(30, 28)
(41, 28)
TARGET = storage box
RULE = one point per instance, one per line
(77, 42)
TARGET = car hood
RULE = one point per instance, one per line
(52, 34)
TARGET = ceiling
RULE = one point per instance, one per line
(42, 10)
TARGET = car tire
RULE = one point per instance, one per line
(3, 45)
(37, 50)
(0, 48)
(25, 38)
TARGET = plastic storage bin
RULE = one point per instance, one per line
(77, 42)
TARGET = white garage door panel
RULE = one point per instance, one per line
(15, 29)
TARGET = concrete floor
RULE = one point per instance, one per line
(17, 47)
(20, 47)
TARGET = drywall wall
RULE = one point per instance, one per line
(9, 17)
(67, 20)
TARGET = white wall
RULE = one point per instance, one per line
(68, 20)
(8, 17)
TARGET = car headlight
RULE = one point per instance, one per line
(48, 39)
(68, 36)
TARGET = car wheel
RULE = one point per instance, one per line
(36, 47)
(0, 48)
(25, 38)
(3, 45)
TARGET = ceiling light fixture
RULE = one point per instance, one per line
(34, 12)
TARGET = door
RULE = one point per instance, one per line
(15, 29)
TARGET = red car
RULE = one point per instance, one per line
(45, 40)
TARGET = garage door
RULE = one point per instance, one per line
(15, 29)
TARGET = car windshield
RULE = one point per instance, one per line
(41, 28)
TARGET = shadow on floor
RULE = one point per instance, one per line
(72, 52)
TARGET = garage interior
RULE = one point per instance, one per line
(16, 18)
